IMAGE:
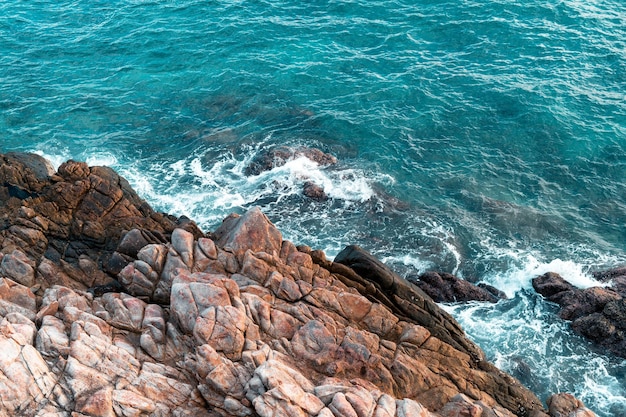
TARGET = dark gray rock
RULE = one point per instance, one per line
(446, 288)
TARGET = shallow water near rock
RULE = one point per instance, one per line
(485, 140)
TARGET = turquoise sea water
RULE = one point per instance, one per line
(484, 138)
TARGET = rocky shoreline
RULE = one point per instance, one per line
(108, 308)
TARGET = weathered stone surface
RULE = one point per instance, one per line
(597, 313)
(17, 266)
(16, 298)
(566, 405)
(408, 300)
(252, 231)
(243, 325)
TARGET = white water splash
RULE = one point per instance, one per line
(518, 278)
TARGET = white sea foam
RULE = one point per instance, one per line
(92, 159)
(101, 159)
(520, 277)
(207, 190)
(55, 159)
(601, 388)
(523, 337)
(419, 265)
(345, 184)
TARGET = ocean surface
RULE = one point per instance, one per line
(482, 138)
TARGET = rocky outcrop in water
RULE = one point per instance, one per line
(110, 309)
(279, 156)
(597, 313)
(446, 288)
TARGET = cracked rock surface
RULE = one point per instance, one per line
(110, 309)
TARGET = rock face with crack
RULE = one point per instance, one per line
(110, 309)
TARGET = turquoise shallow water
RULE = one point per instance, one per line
(484, 138)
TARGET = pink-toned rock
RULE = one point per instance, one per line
(25, 376)
(154, 255)
(353, 306)
(340, 406)
(410, 408)
(223, 328)
(208, 248)
(379, 320)
(173, 263)
(19, 328)
(138, 279)
(566, 405)
(125, 312)
(98, 403)
(260, 310)
(277, 389)
(283, 287)
(127, 402)
(204, 254)
(255, 268)
(314, 343)
(414, 334)
(461, 406)
(282, 325)
(361, 400)
(52, 338)
(182, 242)
(16, 298)
(251, 231)
(153, 331)
(385, 406)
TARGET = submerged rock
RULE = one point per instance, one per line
(244, 325)
(314, 191)
(279, 156)
(597, 313)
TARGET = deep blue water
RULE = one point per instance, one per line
(484, 138)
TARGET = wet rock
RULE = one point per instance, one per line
(279, 156)
(597, 313)
(314, 191)
(402, 297)
(446, 288)
(38, 165)
(550, 284)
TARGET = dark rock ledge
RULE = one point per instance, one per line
(108, 308)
